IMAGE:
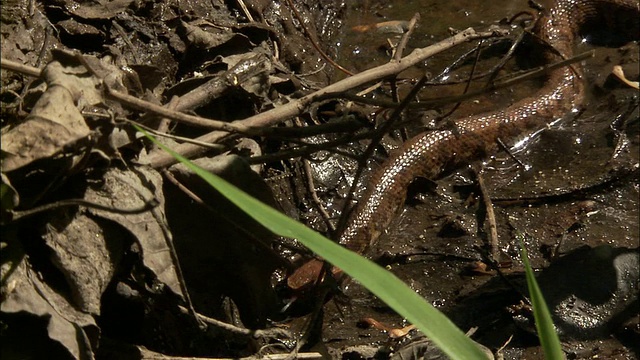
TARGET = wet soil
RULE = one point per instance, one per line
(575, 192)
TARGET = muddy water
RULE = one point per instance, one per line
(362, 50)
(579, 189)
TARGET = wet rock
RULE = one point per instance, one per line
(591, 291)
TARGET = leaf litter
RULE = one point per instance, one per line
(94, 215)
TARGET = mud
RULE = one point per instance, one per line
(578, 190)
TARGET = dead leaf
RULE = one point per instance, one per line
(75, 28)
(55, 122)
(42, 137)
(100, 9)
(87, 252)
(619, 73)
(206, 39)
(8, 195)
(134, 189)
(386, 27)
(21, 40)
(24, 291)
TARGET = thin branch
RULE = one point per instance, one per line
(148, 205)
(312, 148)
(468, 84)
(20, 68)
(491, 218)
(500, 84)
(143, 105)
(245, 10)
(405, 37)
(155, 132)
(311, 187)
(512, 49)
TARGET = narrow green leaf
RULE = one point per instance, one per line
(435, 325)
(544, 324)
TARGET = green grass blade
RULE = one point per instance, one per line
(544, 324)
(379, 281)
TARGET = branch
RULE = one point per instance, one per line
(293, 108)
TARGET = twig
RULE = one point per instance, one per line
(323, 289)
(457, 98)
(20, 68)
(311, 148)
(405, 37)
(545, 69)
(512, 49)
(437, 80)
(184, 289)
(183, 188)
(147, 354)
(311, 187)
(259, 333)
(217, 147)
(214, 88)
(245, 10)
(155, 132)
(397, 56)
(511, 155)
(370, 89)
(125, 38)
(233, 222)
(314, 196)
(491, 218)
(340, 126)
(18, 215)
(468, 84)
(178, 116)
(164, 124)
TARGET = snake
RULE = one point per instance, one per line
(432, 153)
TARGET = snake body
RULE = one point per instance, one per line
(431, 153)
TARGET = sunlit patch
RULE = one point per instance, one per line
(524, 141)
